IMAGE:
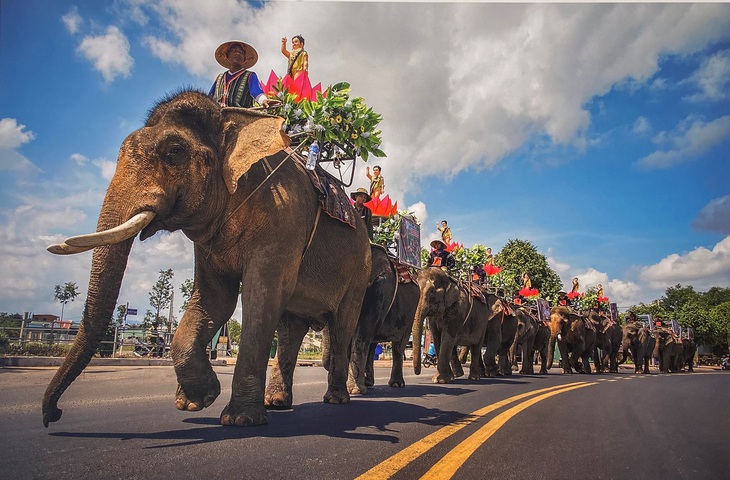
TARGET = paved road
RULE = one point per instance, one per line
(120, 422)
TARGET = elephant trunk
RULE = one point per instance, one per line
(107, 272)
(551, 348)
(416, 332)
(624, 354)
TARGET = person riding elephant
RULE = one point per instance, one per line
(440, 257)
(386, 315)
(197, 168)
(455, 318)
(237, 87)
(576, 339)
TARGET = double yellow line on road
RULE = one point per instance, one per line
(449, 464)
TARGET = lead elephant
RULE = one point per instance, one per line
(455, 318)
(575, 337)
(386, 316)
(222, 177)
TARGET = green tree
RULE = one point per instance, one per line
(187, 291)
(520, 256)
(121, 312)
(161, 295)
(715, 296)
(234, 329)
(66, 294)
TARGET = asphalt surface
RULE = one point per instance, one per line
(120, 422)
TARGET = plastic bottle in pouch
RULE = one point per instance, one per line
(313, 156)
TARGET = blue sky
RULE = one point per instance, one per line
(599, 132)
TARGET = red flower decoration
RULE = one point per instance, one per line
(490, 269)
(301, 87)
(382, 207)
(572, 295)
(529, 292)
(603, 299)
(454, 246)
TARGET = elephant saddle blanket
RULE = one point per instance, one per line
(403, 272)
(475, 291)
(332, 197)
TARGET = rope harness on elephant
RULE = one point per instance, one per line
(471, 305)
(273, 171)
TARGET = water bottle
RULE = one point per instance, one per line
(313, 156)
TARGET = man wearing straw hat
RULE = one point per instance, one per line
(360, 196)
(440, 257)
(237, 87)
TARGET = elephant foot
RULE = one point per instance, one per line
(356, 388)
(438, 378)
(336, 396)
(238, 416)
(397, 382)
(369, 382)
(277, 399)
(543, 371)
(474, 376)
(197, 397)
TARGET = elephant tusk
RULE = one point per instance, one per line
(114, 235)
(66, 249)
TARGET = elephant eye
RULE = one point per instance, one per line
(175, 153)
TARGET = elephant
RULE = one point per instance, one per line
(455, 318)
(576, 339)
(226, 179)
(639, 342)
(689, 348)
(496, 346)
(608, 341)
(386, 315)
(531, 336)
(668, 349)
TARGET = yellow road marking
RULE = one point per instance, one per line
(392, 465)
(449, 464)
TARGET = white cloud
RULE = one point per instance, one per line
(715, 216)
(12, 134)
(79, 159)
(107, 168)
(72, 20)
(109, 53)
(509, 73)
(702, 268)
(713, 78)
(641, 126)
(690, 139)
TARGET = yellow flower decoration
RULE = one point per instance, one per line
(362, 128)
(338, 119)
(353, 136)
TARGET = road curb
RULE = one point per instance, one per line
(110, 362)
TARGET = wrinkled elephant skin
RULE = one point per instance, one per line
(198, 169)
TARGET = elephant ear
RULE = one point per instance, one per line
(249, 137)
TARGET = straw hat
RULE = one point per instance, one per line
(361, 190)
(438, 243)
(221, 53)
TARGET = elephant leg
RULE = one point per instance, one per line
(456, 367)
(358, 364)
(370, 367)
(212, 303)
(528, 353)
(396, 370)
(292, 329)
(475, 368)
(342, 329)
(445, 352)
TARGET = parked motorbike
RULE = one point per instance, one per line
(725, 363)
(429, 360)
